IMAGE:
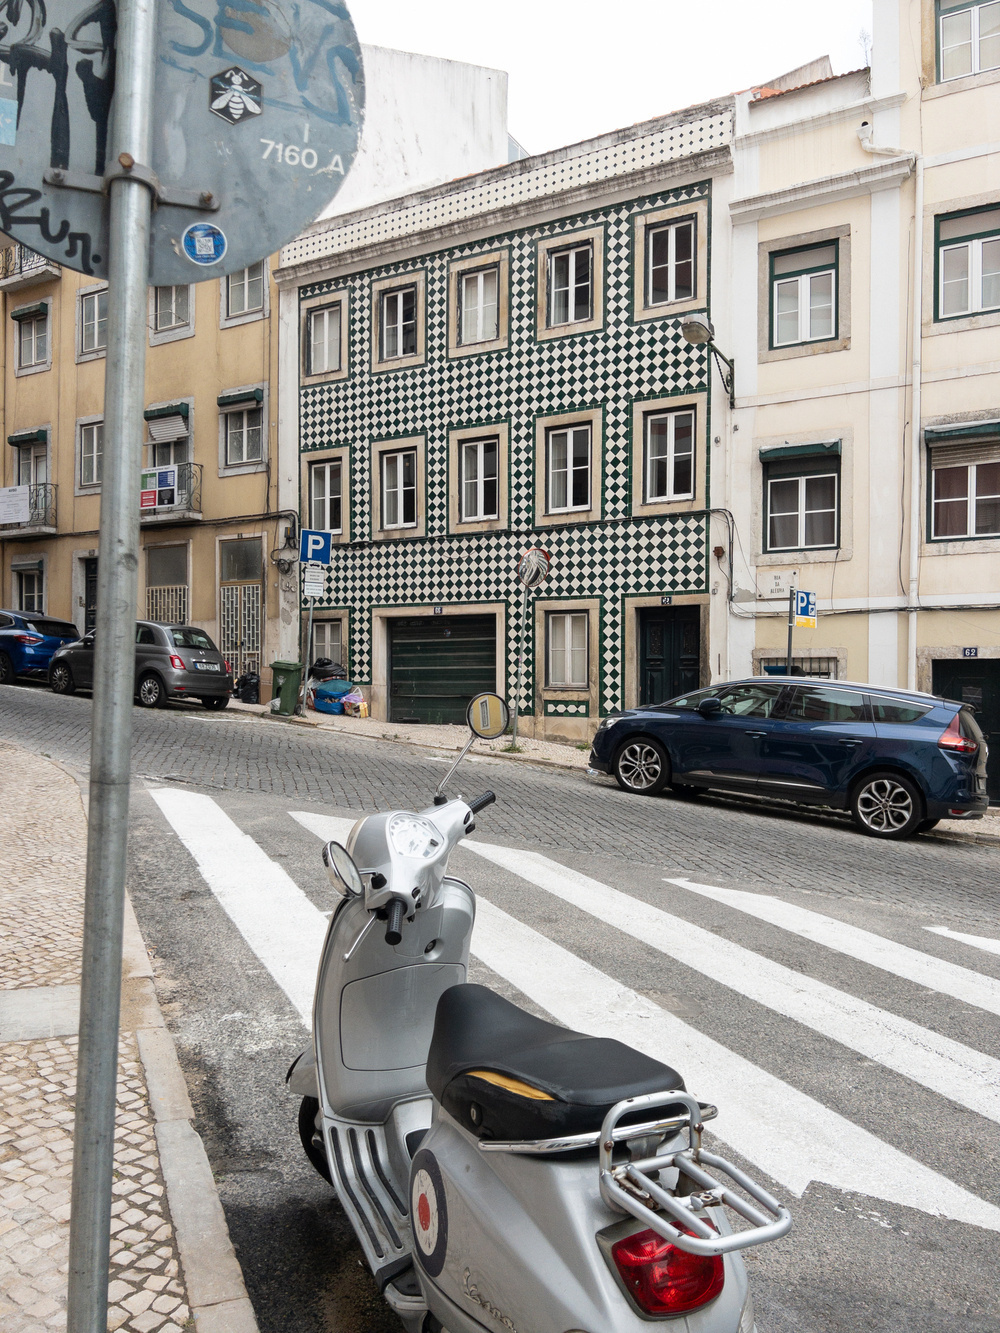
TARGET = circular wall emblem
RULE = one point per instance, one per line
(204, 243)
(429, 1212)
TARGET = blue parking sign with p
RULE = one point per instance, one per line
(315, 547)
(805, 610)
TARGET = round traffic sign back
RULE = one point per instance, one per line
(257, 115)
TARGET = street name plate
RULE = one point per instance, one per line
(257, 116)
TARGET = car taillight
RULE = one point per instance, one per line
(27, 638)
(177, 662)
(663, 1279)
(952, 739)
(228, 667)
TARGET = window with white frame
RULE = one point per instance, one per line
(968, 263)
(568, 636)
(326, 496)
(328, 641)
(479, 300)
(398, 323)
(965, 498)
(33, 341)
(399, 489)
(571, 285)
(968, 38)
(91, 453)
(479, 479)
(245, 290)
(30, 590)
(171, 308)
(568, 469)
(804, 295)
(32, 465)
(670, 262)
(801, 506)
(244, 432)
(324, 340)
(94, 321)
(668, 456)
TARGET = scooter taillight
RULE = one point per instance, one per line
(663, 1279)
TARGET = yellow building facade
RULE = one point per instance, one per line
(211, 504)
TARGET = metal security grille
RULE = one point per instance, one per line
(822, 668)
(168, 605)
(240, 624)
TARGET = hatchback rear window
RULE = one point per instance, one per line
(887, 709)
(61, 629)
(186, 636)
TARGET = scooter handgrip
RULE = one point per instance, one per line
(481, 802)
(394, 927)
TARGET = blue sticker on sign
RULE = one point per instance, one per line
(8, 122)
(204, 243)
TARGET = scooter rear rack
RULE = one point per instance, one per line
(631, 1188)
(574, 1142)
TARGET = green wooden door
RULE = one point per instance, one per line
(976, 681)
(437, 664)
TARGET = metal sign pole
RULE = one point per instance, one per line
(114, 675)
(791, 627)
(520, 662)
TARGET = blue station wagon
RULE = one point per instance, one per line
(898, 760)
(27, 642)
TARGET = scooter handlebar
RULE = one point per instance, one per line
(481, 802)
(394, 926)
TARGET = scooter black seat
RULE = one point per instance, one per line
(506, 1075)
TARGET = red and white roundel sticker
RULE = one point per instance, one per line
(429, 1212)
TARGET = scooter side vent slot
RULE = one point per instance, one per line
(355, 1203)
(387, 1183)
(359, 1167)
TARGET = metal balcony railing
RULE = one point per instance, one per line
(180, 494)
(41, 509)
(22, 265)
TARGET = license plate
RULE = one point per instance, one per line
(207, 666)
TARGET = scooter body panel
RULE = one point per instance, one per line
(375, 1004)
(521, 1248)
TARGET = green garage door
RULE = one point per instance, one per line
(437, 664)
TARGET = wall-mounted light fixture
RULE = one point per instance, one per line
(698, 331)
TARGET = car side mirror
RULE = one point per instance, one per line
(710, 707)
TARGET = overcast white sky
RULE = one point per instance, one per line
(581, 68)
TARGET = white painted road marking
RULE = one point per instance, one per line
(961, 983)
(790, 1136)
(945, 1066)
(327, 827)
(977, 941)
(271, 912)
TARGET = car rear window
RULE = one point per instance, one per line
(887, 709)
(58, 628)
(814, 703)
(186, 636)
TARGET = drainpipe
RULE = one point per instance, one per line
(913, 590)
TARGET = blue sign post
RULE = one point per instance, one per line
(315, 547)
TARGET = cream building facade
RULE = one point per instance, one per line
(864, 447)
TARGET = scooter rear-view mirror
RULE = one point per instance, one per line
(488, 718)
(343, 874)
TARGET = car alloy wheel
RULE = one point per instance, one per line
(886, 805)
(61, 679)
(641, 766)
(6, 670)
(151, 693)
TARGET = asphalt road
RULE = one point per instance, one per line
(899, 1079)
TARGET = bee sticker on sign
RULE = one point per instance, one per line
(429, 1212)
(234, 96)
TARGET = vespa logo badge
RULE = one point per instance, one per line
(233, 94)
(472, 1291)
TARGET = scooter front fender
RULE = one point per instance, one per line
(301, 1078)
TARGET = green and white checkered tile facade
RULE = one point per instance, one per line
(619, 556)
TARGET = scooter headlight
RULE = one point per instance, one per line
(415, 837)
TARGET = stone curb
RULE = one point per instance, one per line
(217, 1295)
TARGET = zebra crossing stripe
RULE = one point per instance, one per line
(977, 941)
(961, 983)
(283, 928)
(327, 827)
(955, 1071)
(784, 1132)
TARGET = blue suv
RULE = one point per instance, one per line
(899, 761)
(27, 642)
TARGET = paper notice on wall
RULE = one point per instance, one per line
(15, 504)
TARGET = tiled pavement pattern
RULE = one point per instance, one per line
(43, 829)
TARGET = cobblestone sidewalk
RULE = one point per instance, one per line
(157, 1259)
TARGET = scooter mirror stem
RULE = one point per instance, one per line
(447, 776)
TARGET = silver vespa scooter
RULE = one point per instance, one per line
(501, 1171)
